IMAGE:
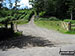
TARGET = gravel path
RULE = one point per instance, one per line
(54, 36)
(37, 51)
(36, 35)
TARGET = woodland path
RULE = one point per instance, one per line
(54, 36)
(31, 33)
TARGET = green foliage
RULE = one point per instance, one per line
(57, 8)
(48, 19)
(69, 20)
(42, 13)
(21, 21)
(53, 19)
(70, 32)
(3, 19)
(22, 11)
(11, 15)
(4, 13)
(29, 15)
(22, 16)
(49, 24)
(54, 25)
(8, 18)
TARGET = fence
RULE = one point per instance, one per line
(66, 25)
(72, 25)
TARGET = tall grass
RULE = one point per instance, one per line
(54, 25)
(49, 24)
(68, 20)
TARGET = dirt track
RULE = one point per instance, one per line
(54, 36)
(36, 35)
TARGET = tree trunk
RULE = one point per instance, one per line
(15, 27)
(69, 26)
(6, 25)
(71, 15)
(12, 27)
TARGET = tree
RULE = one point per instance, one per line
(1, 4)
(56, 8)
(71, 4)
(49, 7)
(38, 6)
(8, 13)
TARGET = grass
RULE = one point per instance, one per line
(48, 24)
(21, 22)
(54, 25)
(72, 31)
(69, 20)
(16, 34)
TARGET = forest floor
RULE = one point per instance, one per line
(37, 41)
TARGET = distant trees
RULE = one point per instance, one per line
(62, 9)
(8, 14)
(71, 5)
(1, 4)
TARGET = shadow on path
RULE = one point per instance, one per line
(24, 41)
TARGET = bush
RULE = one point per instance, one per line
(43, 19)
(26, 17)
(29, 15)
(22, 16)
(53, 19)
(69, 20)
(49, 19)
(42, 13)
(22, 21)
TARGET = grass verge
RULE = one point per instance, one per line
(21, 22)
(54, 25)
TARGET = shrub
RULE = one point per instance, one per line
(29, 15)
(53, 19)
(69, 20)
(43, 19)
(49, 19)
(42, 13)
(22, 21)
(22, 16)
(26, 17)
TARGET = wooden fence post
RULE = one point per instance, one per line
(69, 26)
(15, 27)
